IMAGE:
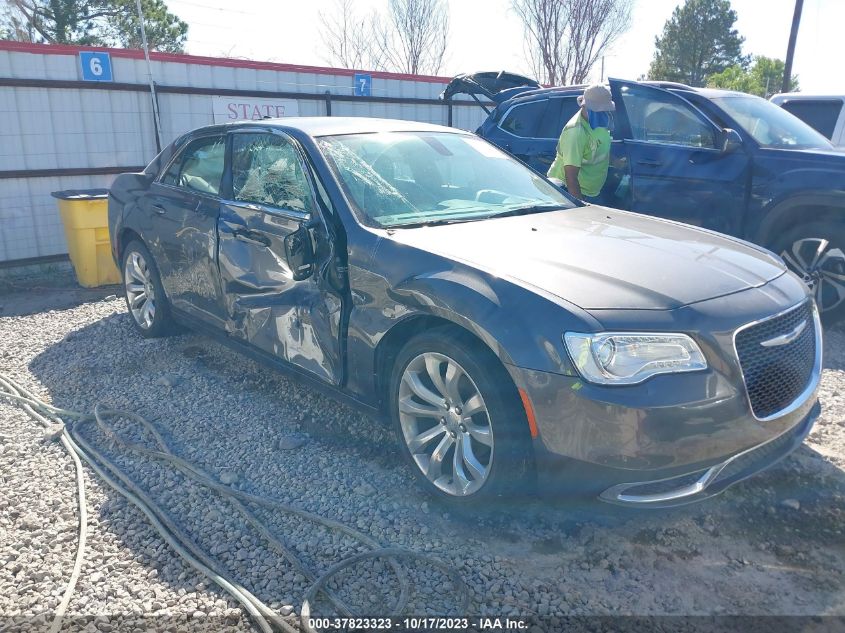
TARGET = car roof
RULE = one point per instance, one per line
(529, 95)
(541, 93)
(331, 125)
(713, 93)
(804, 96)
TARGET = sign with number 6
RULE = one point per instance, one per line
(95, 66)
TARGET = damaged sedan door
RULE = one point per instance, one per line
(182, 209)
(274, 249)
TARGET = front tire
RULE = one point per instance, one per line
(148, 307)
(816, 253)
(458, 420)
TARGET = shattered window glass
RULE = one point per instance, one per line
(266, 170)
(366, 185)
(404, 178)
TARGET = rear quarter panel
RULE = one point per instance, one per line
(123, 202)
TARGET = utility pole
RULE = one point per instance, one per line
(156, 118)
(790, 50)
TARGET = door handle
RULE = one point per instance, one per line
(252, 237)
(649, 162)
(159, 209)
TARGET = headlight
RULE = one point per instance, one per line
(618, 358)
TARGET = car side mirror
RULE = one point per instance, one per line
(299, 252)
(731, 140)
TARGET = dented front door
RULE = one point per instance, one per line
(272, 197)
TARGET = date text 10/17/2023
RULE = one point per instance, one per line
(421, 623)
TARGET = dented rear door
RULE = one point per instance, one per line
(272, 197)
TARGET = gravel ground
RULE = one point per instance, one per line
(773, 545)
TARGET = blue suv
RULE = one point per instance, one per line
(723, 160)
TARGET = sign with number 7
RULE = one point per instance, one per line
(363, 85)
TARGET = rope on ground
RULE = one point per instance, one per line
(263, 616)
(56, 625)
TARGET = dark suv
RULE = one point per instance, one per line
(722, 160)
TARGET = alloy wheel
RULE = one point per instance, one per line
(821, 266)
(140, 291)
(445, 424)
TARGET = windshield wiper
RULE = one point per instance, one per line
(527, 210)
(440, 222)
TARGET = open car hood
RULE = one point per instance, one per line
(496, 85)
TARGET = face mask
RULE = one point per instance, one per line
(598, 119)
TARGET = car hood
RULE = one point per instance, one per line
(599, 258)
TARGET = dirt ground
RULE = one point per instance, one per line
(772, 545)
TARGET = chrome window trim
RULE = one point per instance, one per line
(194, 192)
(697, 148)
(815, 375)
(288, 214)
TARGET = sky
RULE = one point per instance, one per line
(487, 35)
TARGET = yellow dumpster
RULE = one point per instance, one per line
(85, 216)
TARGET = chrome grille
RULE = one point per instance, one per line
(775, 375)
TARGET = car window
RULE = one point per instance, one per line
(548, 125)
(171, 176)
(402, 178)
(820, 115)
(660, 117)
(199, 166)
(770, 125)
(558, 113)
(266, 169)
(523, 120)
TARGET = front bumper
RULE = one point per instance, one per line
(701, 485)
(672, 439)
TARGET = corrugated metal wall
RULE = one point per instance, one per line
(58, 127)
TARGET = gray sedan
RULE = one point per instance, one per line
(510, 334)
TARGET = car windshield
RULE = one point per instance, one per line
(770, 125)
(399, 179)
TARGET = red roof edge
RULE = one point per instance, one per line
(131, 53)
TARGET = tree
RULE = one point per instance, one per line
(764, 78)
(410, 37)
(14, 27)
(348, 38)
(413, 38)
(94, 22)
(164, 30)
(565, 38)
(698, 41)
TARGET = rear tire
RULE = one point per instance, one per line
(458, 420)
(148, 307)
(816, 253)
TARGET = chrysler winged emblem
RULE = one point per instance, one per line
(786, 339)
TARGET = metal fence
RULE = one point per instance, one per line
(63, 128)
